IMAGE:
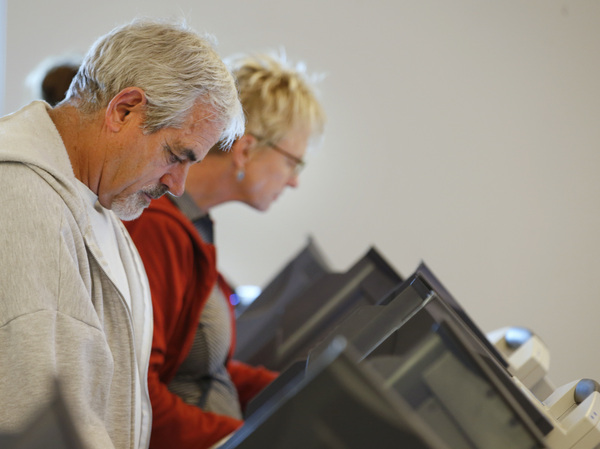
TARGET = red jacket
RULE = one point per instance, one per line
(182, 270)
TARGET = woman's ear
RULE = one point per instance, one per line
(126, 105)
(241, 149)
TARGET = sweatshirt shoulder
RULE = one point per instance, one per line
(23, 189)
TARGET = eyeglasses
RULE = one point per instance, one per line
(299, 164)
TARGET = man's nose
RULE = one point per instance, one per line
(174, 179)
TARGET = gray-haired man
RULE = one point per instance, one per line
(150, 99)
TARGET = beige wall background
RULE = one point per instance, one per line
(461, 133)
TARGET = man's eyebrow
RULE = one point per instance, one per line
(188, 154)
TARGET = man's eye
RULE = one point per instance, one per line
(173, 159)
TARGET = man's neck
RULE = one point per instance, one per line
(78, 135)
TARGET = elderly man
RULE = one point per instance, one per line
(149, 100)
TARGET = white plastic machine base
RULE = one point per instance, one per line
(528, 358)
(573, 409)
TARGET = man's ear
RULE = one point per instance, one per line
(240, 150)
(126, 105)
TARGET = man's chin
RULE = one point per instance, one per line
(128, 212)
(129, 216)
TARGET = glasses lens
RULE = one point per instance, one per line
(298, 168)
(298, 163)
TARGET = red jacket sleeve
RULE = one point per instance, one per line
(172, 263)
(249, 380)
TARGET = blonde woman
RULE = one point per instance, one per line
(198, 392)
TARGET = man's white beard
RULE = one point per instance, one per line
(130, 207)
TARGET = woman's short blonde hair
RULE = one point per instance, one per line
(276, 96)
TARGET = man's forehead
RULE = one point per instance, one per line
(200, 114)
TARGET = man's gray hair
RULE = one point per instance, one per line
(174, 65)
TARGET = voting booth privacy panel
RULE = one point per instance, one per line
(304, 302)
(428, 362)
(425, 349)
(338, 404)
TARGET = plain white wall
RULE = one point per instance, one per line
(461, 133)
